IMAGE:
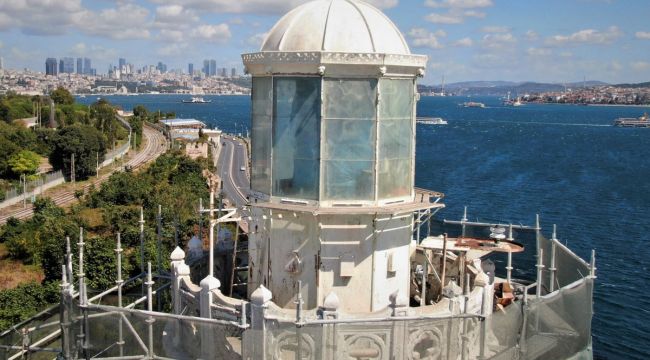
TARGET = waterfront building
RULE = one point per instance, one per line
(51, 67)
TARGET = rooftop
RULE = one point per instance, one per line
(180, 123)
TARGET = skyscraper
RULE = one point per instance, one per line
(213, 67)
(66, 65)
(190, 69)
(122, 63)
(233, 72)
(2, 63)
(206, 67)
(224, 72)
(80, 66)
(87, 67)
(50, 67)
(161, 67)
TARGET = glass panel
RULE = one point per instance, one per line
(396, 99)
(349, 180)
(350, 98)
(261, 135)
(350, 139)
(394, 178)
(296, 137)
(396, 138)
(396, 135)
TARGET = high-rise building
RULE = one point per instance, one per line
(50, 67)
(206, 67)
(224, 72)
(122, 63)
(233, 72)
(80, 66)
(213, 68)
(66, 65)
(190, 69)
(2, 63)
(87, 67)
(161, 67)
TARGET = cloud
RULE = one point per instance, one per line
(257, 40)
(214, 33)
(172, 49)
(457, 10)
(464, 42)
(97, 51)
(169, 35)
(531, 35)
(453, 17)
(498, 41)
(587, 36)
(495, 29)
(642, 35)
(640, 65)
(40, 17)
(127, 21)
(254, 6)
(459, 4)
(538, 51)
(421, 37)
(174, 14)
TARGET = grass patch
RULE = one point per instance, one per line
(14, 272)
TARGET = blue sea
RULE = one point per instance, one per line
(563, 162)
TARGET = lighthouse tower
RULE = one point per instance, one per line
(333, 144)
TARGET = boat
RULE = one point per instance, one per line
(472, 104)
(197, 100)
(431, 121)
(510, 102)
(641, 122)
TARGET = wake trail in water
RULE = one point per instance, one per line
(546, 123)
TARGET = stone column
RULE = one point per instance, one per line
(178, 269)
(254, 344)
(399, 339)
(209, 284)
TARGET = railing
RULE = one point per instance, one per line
(45, 182)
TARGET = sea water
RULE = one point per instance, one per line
(566, 163)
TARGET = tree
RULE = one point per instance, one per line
(141, 112)
(24, 162)
(85, 142)
(62, 96)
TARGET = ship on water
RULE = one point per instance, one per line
(473, 104)
(640, 122)
(197, 100)
(431, 121)
(342, 256)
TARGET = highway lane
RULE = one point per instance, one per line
(156, 145)
(236, 183)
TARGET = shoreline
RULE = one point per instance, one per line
(593, 105)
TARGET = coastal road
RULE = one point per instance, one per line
(156, 145)
(236, 183)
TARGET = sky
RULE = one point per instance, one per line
(466, 40)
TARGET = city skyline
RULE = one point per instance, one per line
(553, 41)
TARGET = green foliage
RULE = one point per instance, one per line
(14, 107)
(24, 162)
(85, 142)
(24, 301)
(173, 181)
(137, 124)
(61, 96)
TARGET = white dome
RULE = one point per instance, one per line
(346, 26)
